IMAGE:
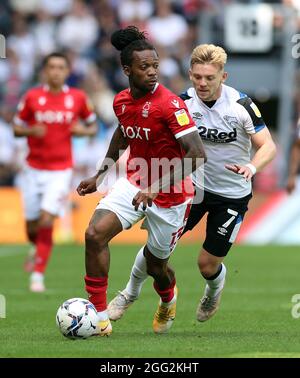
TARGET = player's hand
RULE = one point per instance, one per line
(87, 186)
(291, 184)
(145, 197)
(38, 131)
(78, 129)
(240, 170)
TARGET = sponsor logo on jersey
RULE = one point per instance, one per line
(50, 116)
(217, 136)
(146, 108)
(182, 117)
(135, 132)
(123, 108)
(255, 109)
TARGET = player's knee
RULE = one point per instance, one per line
(94, 236)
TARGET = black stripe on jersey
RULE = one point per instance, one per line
(184, 96)
(258, 122)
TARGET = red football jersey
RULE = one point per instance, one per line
(58, 112)
(151, 125)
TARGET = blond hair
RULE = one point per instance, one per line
(209, 54)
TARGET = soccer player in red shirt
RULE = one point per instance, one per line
(157, 127)
(49, 116)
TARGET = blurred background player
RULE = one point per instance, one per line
(228, 123)
(49, 116)
(155, 124)
(294, 162)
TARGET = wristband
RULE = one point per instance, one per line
(252, 168)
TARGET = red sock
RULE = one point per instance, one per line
(96, 289)
(43, 248)
(166, 294)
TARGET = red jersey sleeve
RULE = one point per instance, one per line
(177, 117)
(87, 111)
(24, 112)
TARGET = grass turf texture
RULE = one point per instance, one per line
(254, 319)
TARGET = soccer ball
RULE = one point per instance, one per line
(77, 318)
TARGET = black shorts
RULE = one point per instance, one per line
(225, 216)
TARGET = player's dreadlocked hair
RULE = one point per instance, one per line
(128, 40)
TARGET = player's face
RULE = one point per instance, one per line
(56, 71)
(143, 72)
(207, 80)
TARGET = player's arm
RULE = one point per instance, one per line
(21, 119)
(261, 139)
(88, 125)
(37, 131)
(82, 130)
(265, 152)
(117, 146)
(194, 157)
(293, 166)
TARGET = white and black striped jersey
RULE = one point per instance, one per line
(225, 129)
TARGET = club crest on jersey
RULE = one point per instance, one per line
(182, 117)
(146, 108)
(232, 121)
(123, 108)
(42, 101)
(69, 102)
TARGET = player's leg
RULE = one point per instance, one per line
(125, 298)
(223, 223)
(54, 188)
(165, 227)
(165, 285)
(213, 271)
(31, 232)
(103, 226)
(138, 275)
(114, 213)
(44, 244)
(31, 203)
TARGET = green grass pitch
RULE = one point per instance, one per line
(254, 319)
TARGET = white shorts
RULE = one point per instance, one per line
(45, 190)
(164, 225)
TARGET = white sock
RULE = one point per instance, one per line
(102, 315)
(138, 275)
(213, 287)
(37, 276)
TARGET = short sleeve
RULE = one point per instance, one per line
(24, 111)
(87, 111)
(252, 118)
(177, 117)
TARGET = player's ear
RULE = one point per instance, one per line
(126, 70)
(224, 77)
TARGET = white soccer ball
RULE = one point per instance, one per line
(77, 318)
